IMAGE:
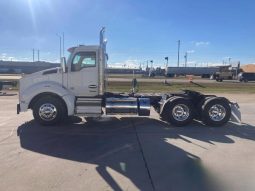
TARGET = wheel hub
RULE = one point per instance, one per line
(48, 112)
(180, 112)
(217, 112)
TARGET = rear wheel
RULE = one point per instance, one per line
(49, 110)
(178, 112)
(216, 112)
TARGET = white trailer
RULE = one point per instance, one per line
(78, 87)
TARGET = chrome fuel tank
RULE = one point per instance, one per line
(144, 106)
(128, 106)
(121, 106)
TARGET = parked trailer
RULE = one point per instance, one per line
(78, 88)
(204, 72)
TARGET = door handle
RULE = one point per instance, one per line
(93, 86)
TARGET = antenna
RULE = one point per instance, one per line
(63, 39)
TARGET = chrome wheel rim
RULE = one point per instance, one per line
(180, 112)
(48, 112)
(217, 112)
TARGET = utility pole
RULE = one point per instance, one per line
(186, 59)
(38, 55)
(60, 47)
(33, 54)
(179, 46)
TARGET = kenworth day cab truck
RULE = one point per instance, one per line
(78, 88)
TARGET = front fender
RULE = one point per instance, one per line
(29, 93)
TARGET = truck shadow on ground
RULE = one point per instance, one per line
(136, 148)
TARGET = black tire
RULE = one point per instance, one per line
(199, 107)
(221, 103)
(55, 103)
(168, 112)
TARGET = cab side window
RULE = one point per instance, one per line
(83, 60)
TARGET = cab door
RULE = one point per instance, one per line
(83, 77)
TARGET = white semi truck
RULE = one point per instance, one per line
(78, 88)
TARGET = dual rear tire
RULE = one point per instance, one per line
(178, 111)
(214, 111)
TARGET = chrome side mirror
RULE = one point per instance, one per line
(63, 65)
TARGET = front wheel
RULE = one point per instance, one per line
(216, 112)
(178, 112)
(49, 110)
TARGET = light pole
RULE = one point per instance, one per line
(33, 54)
(166, 58)
(60, 46)
(186, 59)
(179, 46)
(151, 64)
(229, 59)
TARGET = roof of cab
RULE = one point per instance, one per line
(82, 47)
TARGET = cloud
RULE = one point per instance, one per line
(201, 43)
(192, 62)
(190, 51)
(211, 64)
(5, 57)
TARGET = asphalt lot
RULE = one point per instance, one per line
(126, 153)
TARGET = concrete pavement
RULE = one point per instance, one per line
(125, 153)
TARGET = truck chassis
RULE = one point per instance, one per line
(179, 109)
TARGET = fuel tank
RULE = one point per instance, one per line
(127, 106)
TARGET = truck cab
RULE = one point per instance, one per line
(80, 77)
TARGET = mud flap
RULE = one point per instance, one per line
(235, 113)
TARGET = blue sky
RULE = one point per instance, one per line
(137, 30)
